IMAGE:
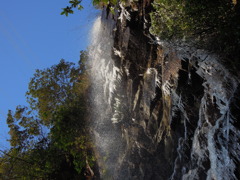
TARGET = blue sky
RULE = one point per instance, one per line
(33, 35)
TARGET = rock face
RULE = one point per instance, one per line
(174, 110)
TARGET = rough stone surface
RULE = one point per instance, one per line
(180, 108)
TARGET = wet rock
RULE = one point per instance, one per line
(179, 108)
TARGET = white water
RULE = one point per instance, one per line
(221, 146)
(104, 77)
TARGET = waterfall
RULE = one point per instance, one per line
(160, 111)
(215, 148)
(104, 77)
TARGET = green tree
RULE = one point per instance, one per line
(50, 139)
(51, 88)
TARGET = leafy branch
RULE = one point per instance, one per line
(73, 4)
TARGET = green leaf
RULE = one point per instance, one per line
(80, 7)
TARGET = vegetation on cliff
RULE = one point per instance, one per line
(212, 25)
(50, 139)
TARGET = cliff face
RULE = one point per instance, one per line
(172, 111)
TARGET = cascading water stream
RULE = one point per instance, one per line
(214, 147)
(104, 77)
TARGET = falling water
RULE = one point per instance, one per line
(104, 77)
(215, 148)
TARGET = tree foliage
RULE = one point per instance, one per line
(51, 88)
(212, 24)
(50, 139)
(76, 4)
(73, 4)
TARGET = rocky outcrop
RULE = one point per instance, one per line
(175, 109)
